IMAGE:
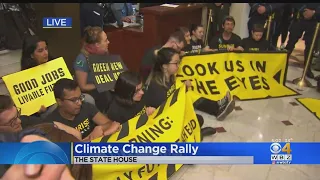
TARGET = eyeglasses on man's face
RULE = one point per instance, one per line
(77, 99)
(12, 121)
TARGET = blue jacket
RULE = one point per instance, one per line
(120, 10)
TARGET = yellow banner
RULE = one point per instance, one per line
(312, 105)
(174, 121)
(32, 88)
(246, 75)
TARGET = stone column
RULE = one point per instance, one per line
(240, 13)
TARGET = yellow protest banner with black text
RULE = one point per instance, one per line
(313, 105)
(106, 70)
(174, 121)
(246, 75)
(32, 88)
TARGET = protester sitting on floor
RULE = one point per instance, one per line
(161, 84)
(12, 121)
(31, 171)
(78, 171)
(255, 42)
(227, 40)
(196, 43)
(162, 80)
(35, 52)
(176, 41)
(75, 113)
(187, 37)
(128, 101)
(95, 42)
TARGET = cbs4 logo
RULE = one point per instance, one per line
(276, 148)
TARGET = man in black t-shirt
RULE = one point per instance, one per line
(227, 40)
(75, 113)
(12, 121)
(255, 42)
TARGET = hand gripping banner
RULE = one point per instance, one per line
(32, 88)
(174, 121)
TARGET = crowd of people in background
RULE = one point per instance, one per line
(85, 114)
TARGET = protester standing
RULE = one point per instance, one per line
(259, 14)
(305, 19)
(91, 14)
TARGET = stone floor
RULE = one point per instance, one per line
(253, 121)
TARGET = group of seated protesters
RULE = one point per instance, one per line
(86, 114)
(227, 40)
(186, 40)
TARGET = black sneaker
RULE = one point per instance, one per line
(227, 105)
(207, 131)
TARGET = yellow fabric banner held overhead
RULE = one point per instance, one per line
(312, 105)
(246, 75)
(32, 88)
(174, 121)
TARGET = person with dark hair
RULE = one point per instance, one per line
(95, 42)
(161, 83)
(227, 40)
(260, 12)
(12, 121)
(176, 41)
(128, 101)
(255, 42)
(219, 11)
(31, 171)
(187, 37)
(196, 43)
(75, 113)
(35, 52)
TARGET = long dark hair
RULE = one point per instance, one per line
(29, 45)
(125, 87)
(194, 27)
(79, 172)
(164, 56)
